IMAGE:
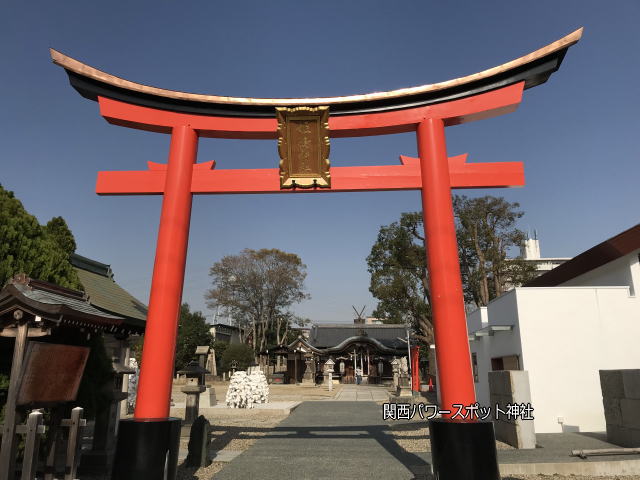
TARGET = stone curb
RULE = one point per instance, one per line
(587, 468)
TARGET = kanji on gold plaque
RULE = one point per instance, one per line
(303, 145)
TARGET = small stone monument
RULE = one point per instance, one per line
(404, 366)
(211, 363)
(199, 439)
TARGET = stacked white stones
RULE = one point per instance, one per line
(133, 385)
(246, 390)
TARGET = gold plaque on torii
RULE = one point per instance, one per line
(303, 145)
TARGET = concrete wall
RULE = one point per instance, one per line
(511, 387)
(564, 336)
(621, 400)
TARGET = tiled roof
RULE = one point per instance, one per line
(55, 303)
(77, 304)
(329, 335)
(104, 293)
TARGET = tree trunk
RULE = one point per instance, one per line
(484, 282)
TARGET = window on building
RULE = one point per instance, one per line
(509, 362)
(474, 365)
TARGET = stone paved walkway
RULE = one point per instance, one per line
(328, 440)
(362, 393)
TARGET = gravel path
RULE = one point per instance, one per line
(412, 436)
(231, 431)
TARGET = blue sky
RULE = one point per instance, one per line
(578, 134)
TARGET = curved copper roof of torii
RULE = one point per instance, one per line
(534, 69)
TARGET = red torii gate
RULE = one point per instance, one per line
(427, 110)
(433, 173)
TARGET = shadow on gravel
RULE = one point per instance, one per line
(382, 433)
(186, 473)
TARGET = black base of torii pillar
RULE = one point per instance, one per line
(463, 450)
(147, 449)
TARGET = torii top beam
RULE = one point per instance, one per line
(482, 95)
(534, 68)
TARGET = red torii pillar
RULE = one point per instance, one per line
(154, 391)
(415, 368)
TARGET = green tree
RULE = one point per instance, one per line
(256, 289)
(43, 254)
(58, 230)
(241, 353)
(486, 230)
(399, 277)
(25, 246)
(193, 331)
(219, 347)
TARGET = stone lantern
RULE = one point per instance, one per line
(395, 367)
(309, 377)
(194, 373)
(328, 373)
(202, 352)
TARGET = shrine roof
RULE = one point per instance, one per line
(327, 335)
(533, 69)
(105, 294)
(55, 303)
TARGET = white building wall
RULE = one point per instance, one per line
(564, 335)
(568, 334)
(477, 319)
(501, 311)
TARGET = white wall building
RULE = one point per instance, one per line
(564, 326)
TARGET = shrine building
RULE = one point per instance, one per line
(368, 346)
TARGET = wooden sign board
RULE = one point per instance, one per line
(51, 373)
(303, 145)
